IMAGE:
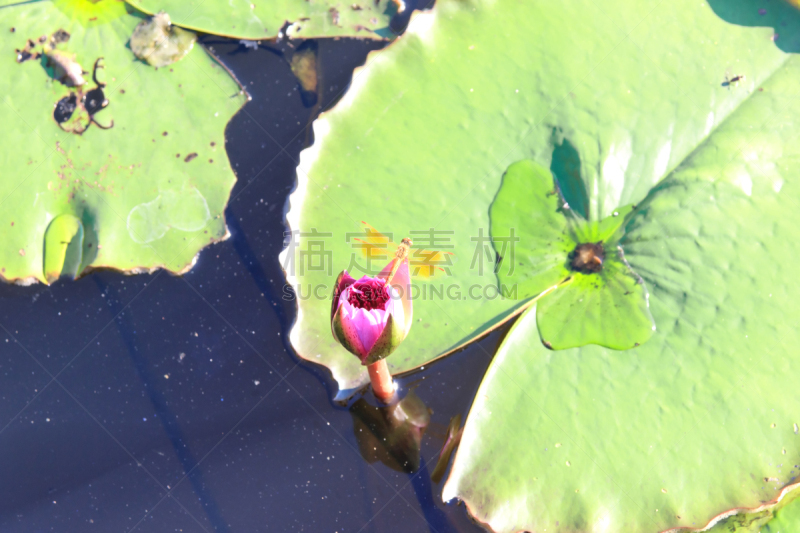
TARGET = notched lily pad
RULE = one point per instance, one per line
(589, 294)
(158, 42)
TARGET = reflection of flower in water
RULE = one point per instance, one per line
(391, 434)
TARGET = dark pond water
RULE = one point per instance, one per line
(160, 403)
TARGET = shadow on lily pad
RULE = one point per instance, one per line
(779, 15)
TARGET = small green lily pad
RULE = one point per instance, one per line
(133, 153)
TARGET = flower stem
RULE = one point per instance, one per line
(381, 379)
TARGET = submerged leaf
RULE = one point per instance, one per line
(303, 63)
(391, 434)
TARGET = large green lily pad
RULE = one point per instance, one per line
(246, 19)
(428, 127)
(697, 420)
(626, 103)
(150, 191)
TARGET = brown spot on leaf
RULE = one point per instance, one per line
(60, 36)
(190, 157)
(334, 16)
(213, 143)
(210, 160)
(165, 134)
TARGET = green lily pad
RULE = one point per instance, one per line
(589, 294)
(304, 19)
(696, 421)
(637, 101)
(426, 130)
(149, 191)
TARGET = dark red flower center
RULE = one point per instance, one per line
(368, 295)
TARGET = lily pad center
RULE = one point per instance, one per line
(587, 257)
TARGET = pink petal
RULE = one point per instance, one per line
(352, 340)
(369, 325)
(366, 325)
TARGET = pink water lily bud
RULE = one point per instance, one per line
(369, 316)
